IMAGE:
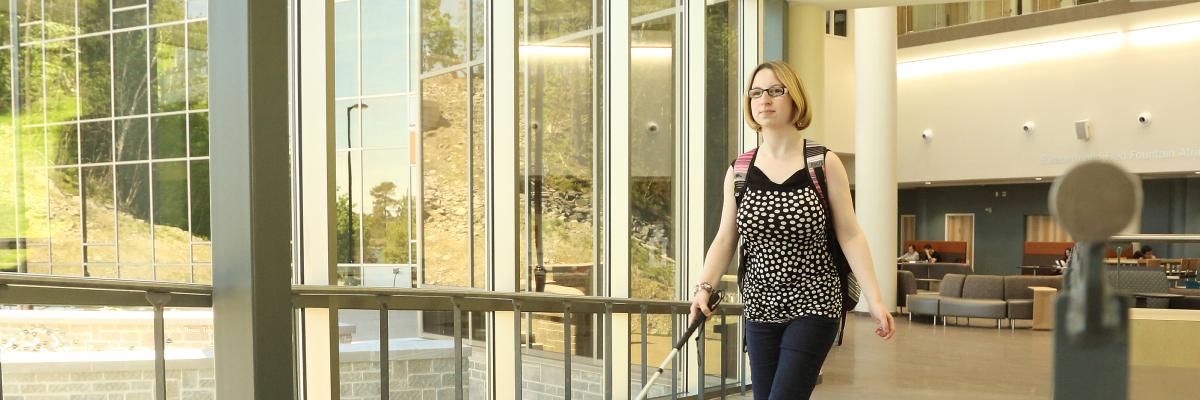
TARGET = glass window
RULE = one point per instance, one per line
(102, 94)
(385, 53)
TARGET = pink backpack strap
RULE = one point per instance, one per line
(814, 157)
(741, 167)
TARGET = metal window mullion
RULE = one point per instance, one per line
(187, 137)
(158, 301)
(15, 77)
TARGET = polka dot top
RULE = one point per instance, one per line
(789, 271)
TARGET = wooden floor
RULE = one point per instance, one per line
(960, 362)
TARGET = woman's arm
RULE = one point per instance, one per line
(854, 243)
(720, 252)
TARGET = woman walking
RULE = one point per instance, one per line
(791, 287)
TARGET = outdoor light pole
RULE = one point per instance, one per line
(350, 183)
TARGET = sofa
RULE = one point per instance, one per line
(981, 296)
(933, 270)
(906, 284)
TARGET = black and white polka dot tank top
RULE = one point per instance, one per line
(789, 271)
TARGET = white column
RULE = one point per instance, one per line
(503, 208)
(251, 214)
(617, 40)
(316, 166)
(875, 141)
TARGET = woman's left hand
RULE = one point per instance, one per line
(885, 326)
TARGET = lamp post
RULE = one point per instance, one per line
(350, 182)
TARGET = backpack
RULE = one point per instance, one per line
(814, 156)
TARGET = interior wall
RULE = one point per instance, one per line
(977, 115)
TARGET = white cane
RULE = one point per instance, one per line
(713, 302)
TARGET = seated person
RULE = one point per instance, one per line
(1065, 261)
(929, 255)
(1146, 253)
(910, 254)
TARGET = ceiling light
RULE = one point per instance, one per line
(1037, 179)
(1014, 55)
(1165, 34)
(930, 183)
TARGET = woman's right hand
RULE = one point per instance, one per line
(699, 305)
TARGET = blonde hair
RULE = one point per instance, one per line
(801, 112)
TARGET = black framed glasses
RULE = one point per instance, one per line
(773, 91)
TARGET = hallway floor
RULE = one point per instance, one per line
(923, 361)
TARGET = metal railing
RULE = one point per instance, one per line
(44, 290)
(459, 301)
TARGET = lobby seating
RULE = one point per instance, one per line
(1019, 296)
(933, 270)
(906, 284)
(981, 296)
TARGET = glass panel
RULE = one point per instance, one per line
(385, 42)
(61, 85)
(721, 93)
(170, 136)
(198, 132)
(560, 157)
(129, 18)
(101, 253)
(168, 83)
(133, 139)
(478, 177)
(96, 146)
(127, 3)
(133, 194)
(201, 218)
(166, 11)
(95, 83)
(642, 7)
(386, 223)
(28, 13)
(129, 72)
(345, 48)
(98, 352)
(349, 199)
(550, 19)
(202, 253)
(4, 26)
(197, 9)
(346, 132)
(721, 337)
(386, 122)
(658, 346)
(197, 33)
(652, 139)
(171, 239)
(93, 16)
(203, 273)
(443, 33)
(446, 220)
(478, 28)
(98, 204)
(191, 362)
(65, 239)
(32, 94)
(60, 19)
(359, 356)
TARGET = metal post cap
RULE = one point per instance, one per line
(1095, 200)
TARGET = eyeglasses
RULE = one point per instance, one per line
(773, 91)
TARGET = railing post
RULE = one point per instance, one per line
(159, 300)
(674, 361)
(518, 378)
(458, 349)
(644, 336)
(567, 350)
(700, 357)
(384, 350)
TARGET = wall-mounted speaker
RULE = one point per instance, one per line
(1083, 129)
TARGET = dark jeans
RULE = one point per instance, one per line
(786, 358)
